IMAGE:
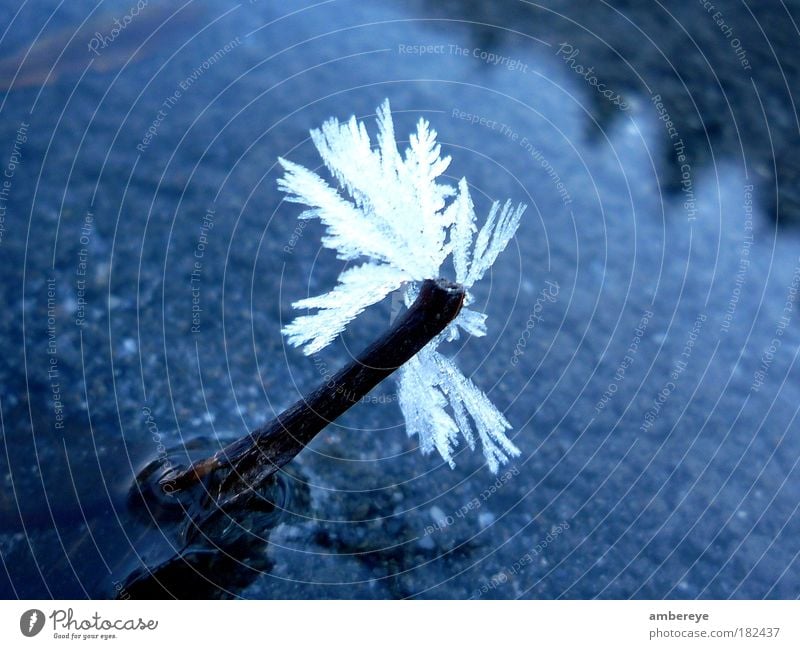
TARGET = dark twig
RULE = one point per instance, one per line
(247, 462)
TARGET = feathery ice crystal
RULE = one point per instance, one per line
(391, 210)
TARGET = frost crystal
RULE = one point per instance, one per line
(391, 210)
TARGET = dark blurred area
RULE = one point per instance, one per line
(727, 71)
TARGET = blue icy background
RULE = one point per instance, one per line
(691, 495)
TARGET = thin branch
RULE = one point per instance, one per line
(244, 464)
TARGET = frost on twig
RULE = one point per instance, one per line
(392, 211)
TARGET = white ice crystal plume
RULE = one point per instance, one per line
(393, 214)
(392, 211)
(429, 382)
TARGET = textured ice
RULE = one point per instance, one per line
(391, 211)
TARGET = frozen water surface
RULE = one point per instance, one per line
(642, 324)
